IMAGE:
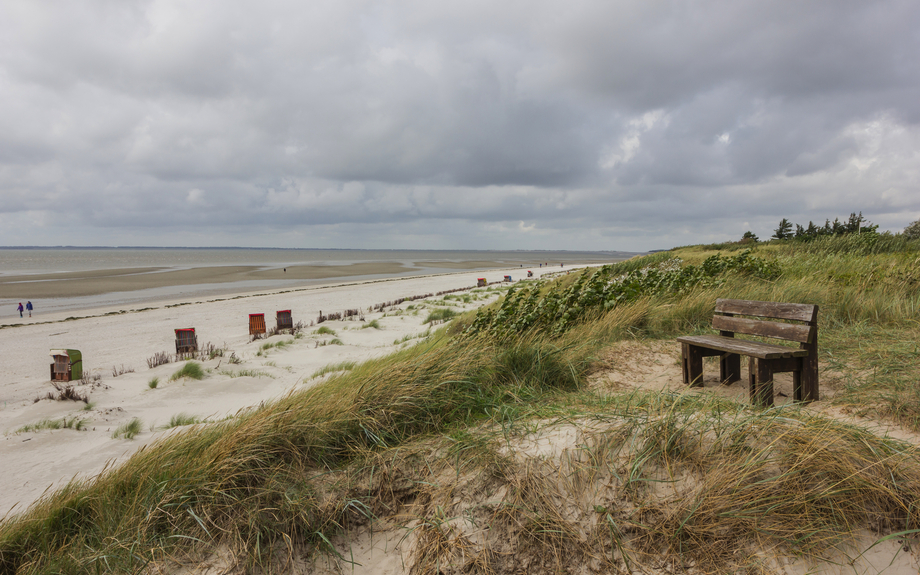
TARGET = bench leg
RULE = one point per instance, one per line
(797, 385)
(760, 378)
(692, 365)
(730, 368)
(810, 377)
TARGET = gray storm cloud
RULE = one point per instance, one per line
(570, 125)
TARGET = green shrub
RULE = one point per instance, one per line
(566, 302)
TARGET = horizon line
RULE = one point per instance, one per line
(69, 247)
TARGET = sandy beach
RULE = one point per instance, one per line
(76, 280)
(117, 339)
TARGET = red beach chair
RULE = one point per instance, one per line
(256, 323)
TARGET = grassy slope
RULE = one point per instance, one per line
(291, 475)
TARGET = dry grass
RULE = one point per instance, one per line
(663, 482)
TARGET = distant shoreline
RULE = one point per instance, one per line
(80, 290)
(456, 250)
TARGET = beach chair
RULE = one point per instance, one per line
(529, 274)
(186, 340)
(256, 323)
(284, 320)
(481, 282)
(67, 364)
(507, 278)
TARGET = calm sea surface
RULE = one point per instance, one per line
(27, 261)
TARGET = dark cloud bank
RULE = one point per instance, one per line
(531, 125)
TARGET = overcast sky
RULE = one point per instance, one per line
(569, 124)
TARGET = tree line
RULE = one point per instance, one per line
(856, 224)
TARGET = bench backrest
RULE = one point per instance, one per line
(804, 333)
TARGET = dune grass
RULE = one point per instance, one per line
(181, 419)
(334, 367)
(440, 314)
(246, 373)
(128, 430)
(228, 473)
(421, 432)
(409, 337)
(695, 481)
(190, 370)
(62, 423)
(324, 330)
(276, 344)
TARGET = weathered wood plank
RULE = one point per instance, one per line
(743, 347)
(771, 309)
(774, 329)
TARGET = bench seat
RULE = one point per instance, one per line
(743, 347)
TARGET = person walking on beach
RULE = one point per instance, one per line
(29, 307)
(20, 309)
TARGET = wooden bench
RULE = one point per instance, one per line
(766, 359)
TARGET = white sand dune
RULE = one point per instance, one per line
(35, 461)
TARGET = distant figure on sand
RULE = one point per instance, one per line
(20, 309)
(29, 307)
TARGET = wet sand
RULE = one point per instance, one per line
(97, 282)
